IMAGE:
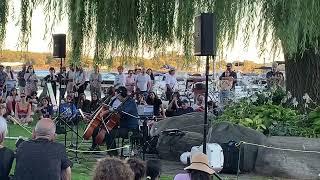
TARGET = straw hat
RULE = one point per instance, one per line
(200, 162)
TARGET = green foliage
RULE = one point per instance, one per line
(271, 117)
(3, 20)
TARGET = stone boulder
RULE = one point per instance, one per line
(192, 122)
(224, 132)
(171, 147)
(297, 165)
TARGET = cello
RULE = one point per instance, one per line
(105, 124)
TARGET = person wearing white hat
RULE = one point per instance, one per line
(199, 169)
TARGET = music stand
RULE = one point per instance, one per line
(145, 112)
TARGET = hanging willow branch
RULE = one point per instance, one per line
(3, 20)
(126, 26)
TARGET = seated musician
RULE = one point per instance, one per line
(95, 103)
(128, 120)
(46, 110)
(154, 100)
(108, 94)
(83, 103)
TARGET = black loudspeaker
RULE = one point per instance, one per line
(59, 45)
(205, 35)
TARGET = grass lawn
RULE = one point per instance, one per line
(80, 171)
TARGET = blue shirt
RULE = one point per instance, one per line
(68, 110)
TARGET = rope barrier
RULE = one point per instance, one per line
(276, 148)
(81, 151)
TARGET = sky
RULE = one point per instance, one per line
(41, 43)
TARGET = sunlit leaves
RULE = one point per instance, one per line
(3, 20)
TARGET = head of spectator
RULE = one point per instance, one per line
(120, 69)
(200, 100)
(96, 69)
(152, 96)
(82, 97)
(138, 167)
(141, 100)
(137, 71)
(24, 67)
(30, 69)
(64, 69)
(143, 71)
(51, 70)
(8, 69)
(13, 92)
(45, 129)
(3, 109)
(130, 73)
(172, 71)
(176, 96)
(1, 68)
(3, 129)
(112, 169)
(110, 91)
(153, 170)
(199, 168)
(34, 95)
(274, 67)
(44, 102)
(94, 97)
(184, 104)
(149, 71)
(229, 67)
(69, 99)
(23, 97)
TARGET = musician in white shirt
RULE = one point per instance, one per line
(120, 79)
(171, 82)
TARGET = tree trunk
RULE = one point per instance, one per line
(303, 75)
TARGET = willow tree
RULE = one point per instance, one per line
(127, 26)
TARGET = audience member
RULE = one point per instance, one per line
(46, 110)
(23, 110)
(198, 170)
(120, 79)
(173, 104)
(112, 169)
(3, 79)
(33, 100)
(150, 73)
(184, 108)
(137, 71)
(199, 105)
(31, 81)
(20, 77)
(53, 79)
(171, 83)
(11, 80)
(130, 82)
(153, 170)
(158, 109)
(141, 100)
(80, 80)
(70, 76)
(95, 82)
(138, 167)
(143, 82)
(63, 79)
(42, 158)
(6, 155)
(11, 101)
(68, 113)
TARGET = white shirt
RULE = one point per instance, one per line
(142, 81)
(120, 80)
(171, 81)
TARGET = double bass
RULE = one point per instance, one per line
(105, 125)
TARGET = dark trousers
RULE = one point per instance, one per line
(110, 138)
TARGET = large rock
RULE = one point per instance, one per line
(171, 147)
(224, 132)
(289, 164)
(192, 122)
